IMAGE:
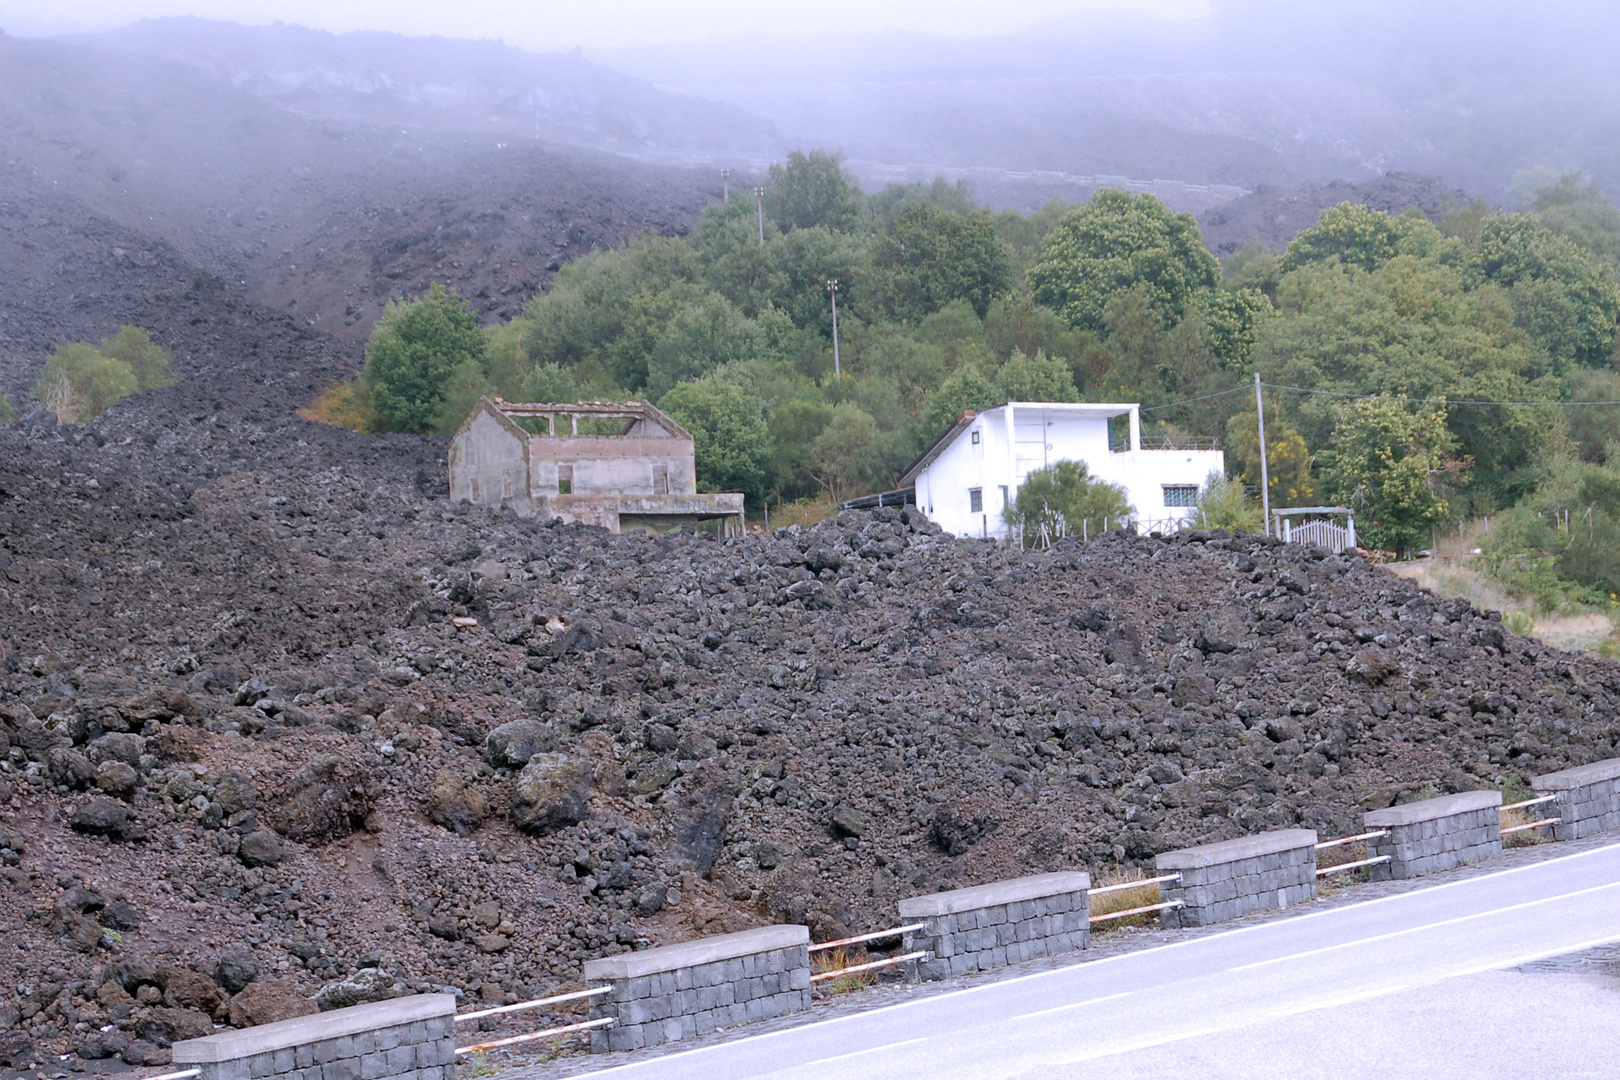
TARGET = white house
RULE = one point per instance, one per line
(974, 470)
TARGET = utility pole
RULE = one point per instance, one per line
(725, 185)
(759, 198)
(1265, 479)
(832, 287)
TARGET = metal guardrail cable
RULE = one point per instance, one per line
(1352, 839)
(1534, 825)
(533, 1035)
(1321, 870)
(876, 935)
(1166, 906)
(537, 1003)
(890, 962)
(1530, 802)
(184, 1074)
(1134, 884)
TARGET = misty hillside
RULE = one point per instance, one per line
(1259, 92)
(472, 87)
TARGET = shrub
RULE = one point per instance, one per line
(1064, 499)
(1223, 504)
(344, 405)
(80, 382)
(133, 346)
(5, 409)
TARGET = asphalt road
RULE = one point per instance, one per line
(1408, 985)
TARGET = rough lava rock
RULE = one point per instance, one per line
(551, 792)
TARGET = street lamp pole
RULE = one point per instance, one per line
(832, 288)
(725, 185)
(759, 198)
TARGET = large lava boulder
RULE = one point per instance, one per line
(514, 744)
(552, 791)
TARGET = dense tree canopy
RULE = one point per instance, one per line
(1120, 241)
(415, 349)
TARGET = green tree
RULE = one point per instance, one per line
(930, 256)
(80, 382)
(965, 389)
(1565, 298)
(1234, 319)
(888, 204)
(1116, 242)
(1223, 504)
(1575, 207)
(1037, 378)
(1384, 460)
(699, 337)
(1288, 461)
(6, 412)
(414, 348)
(810, 190)
(795, 426)
(849, 453)
(1066, 499)
(732, 441)
(1350, 233)
(133, 346)
(552, 384)
(793, 277)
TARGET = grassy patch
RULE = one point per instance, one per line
(802, 512)
(828, 961)
(1124, 900)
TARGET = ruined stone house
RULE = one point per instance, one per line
(630, 466)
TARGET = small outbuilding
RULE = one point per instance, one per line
(617, 465)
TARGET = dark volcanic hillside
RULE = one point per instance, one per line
(324, 219)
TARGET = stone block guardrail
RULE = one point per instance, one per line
(681, 991)
(1435, 834)
(1587, 798)
(409, 1038)
(1231, 878)
(1005, 922)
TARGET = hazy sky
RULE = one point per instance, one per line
(561, 24)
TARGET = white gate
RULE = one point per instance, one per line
(1319, 531)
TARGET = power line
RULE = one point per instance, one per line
(1419, 401)
(1189, 401)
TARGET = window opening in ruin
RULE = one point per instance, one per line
(476, 497)
(506, 485)
(975, 438)
(1180, 494)
(565, 479)
(660, 479)
(976, 500)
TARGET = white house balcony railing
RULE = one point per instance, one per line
(1167, 442)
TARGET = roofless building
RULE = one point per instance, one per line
(592, 462)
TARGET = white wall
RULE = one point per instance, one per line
(1005, 458)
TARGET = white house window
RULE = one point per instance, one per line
(975, 438)
(1180, 494)
(1004, 499)
(976, 500)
